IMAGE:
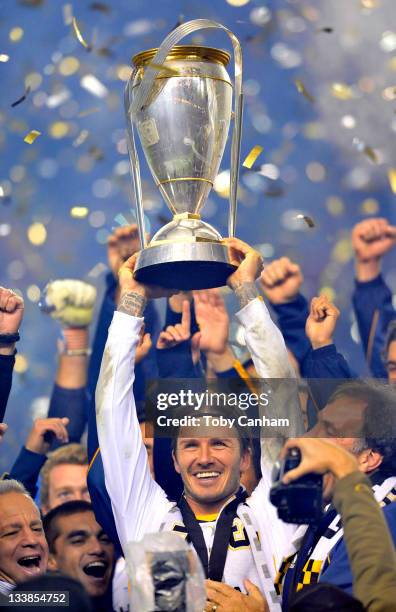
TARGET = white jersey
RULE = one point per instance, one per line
(139, 504)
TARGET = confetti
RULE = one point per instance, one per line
(4, 57)
(308, 220)
(326, 30)
(89, 111)
(79, 35)
(96, 153)
(37, 234)
(342, 91)
(81, 138)
(22, 98)
(79, 212)
(302, 90)
(101, 7)
(252, 156)
(392, 178)
(31, 137)
(67, 11)
(94, 86)
(366, 149)
(58, 98)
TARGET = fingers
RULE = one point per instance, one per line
(321, 307)
(10, 301)
(55, 425)
(186, 319)
(254, 591)
(278, 271)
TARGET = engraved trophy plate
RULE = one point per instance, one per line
(181, 110)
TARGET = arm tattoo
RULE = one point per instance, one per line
(132, 304)
(246, 292)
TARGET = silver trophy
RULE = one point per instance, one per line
(179, 98)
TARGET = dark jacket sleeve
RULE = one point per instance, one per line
(325, 369)
(7, 363)
(291, 321)
(27, 468)
(372, 303)
(364, 560)
(71, 403)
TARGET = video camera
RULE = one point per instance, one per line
(300, 501)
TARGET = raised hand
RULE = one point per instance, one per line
(371, 240)
(42, 432)
(320, 456)
(134, 295)
(11, 311)
(175, 334)
(69, 301)
(281, 280)
(212, 318)
(321, 322)
(248, 260)
(121, 245)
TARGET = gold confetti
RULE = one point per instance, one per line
(78, 34)
(392, 178)
(21, 364)
(342, 91)
(16, 34)
(22, 98)
(31, 137)
(371, 154)
(302, 90)
(37, 234)
(308, 220)
(164, 68)
(4, 57)
(252, 156)
(89, 111)
(79, 212)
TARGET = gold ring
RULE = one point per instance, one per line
(214, 608)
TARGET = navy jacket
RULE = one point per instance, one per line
(7, 363)
(372, 303)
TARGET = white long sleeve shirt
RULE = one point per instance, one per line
(139, 504)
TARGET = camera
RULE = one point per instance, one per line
(300, 501)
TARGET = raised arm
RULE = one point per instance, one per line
(11, 314)
(372, 298)
(138, 503)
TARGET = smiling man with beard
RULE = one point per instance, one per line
(79, 548)
(23, 547)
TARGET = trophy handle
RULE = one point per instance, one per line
(135, 167)
(143, 92)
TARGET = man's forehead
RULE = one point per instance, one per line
(81, 521)
(207, 432)
(9, 516)
(344, 405)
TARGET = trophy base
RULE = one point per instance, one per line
(184, 265)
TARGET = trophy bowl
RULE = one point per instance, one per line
(183, 128)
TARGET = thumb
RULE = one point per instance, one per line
(65, 420)
(253, 590)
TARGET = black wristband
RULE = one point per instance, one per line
(9, 338)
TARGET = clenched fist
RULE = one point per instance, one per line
(281, 280)
(11, 311)
(321, 322)
(371, 240)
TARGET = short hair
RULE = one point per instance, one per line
(79, 601)
(73, 454)
(13, 486)
(50, 521)
(379, 425)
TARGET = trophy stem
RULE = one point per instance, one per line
(235, 154)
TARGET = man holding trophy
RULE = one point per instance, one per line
(180, 100)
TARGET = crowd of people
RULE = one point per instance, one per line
(72, 504)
